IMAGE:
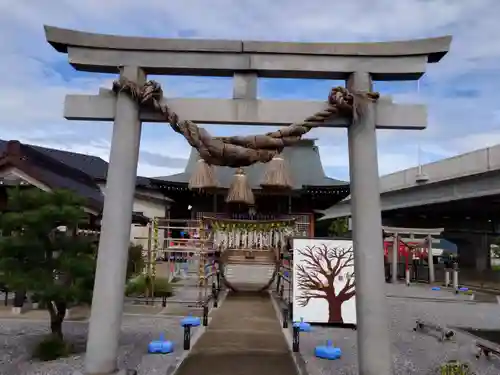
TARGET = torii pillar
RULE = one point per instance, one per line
(358, 63)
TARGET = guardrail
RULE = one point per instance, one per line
(210, 281)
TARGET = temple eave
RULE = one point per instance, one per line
(183, 186)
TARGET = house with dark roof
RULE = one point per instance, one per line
(49, 169)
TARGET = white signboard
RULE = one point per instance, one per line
(323, 281)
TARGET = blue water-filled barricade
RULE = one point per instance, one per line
(191, 321)
(303, 326)
(161, 346)
(435, 288)
(188, 322)
(327, 351)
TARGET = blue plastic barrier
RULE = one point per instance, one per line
(192, 321)
(327, 351)
(161, 346)
(188, 322)
(303, 326)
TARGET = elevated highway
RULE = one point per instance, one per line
(461, 194)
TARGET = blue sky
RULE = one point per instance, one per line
(461, 91)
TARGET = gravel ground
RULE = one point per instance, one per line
(17, 338)
(414, 353)
(418, 291)
(422, 291)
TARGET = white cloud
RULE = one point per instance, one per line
(36, 78)
(334, 157)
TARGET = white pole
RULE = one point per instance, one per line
(430, 257)
(455, 277)
(395, 253)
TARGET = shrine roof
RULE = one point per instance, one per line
(304, 165)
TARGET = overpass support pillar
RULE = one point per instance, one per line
(473, 249)
(482, 253)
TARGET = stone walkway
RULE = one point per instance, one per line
(244, 337)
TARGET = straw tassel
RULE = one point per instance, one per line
(203, 176)
(276, 174)
(240, 191)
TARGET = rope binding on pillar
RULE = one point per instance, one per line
(242, 151)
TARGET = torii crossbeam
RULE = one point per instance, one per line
(134, 58)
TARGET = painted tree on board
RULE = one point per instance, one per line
(319, 267)
(41, 253)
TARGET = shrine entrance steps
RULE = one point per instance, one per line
(244, 337)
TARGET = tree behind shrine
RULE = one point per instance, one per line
(41, 252)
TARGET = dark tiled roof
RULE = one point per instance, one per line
(93, 166)
(89, 191)
(303, 160)
(58, 174)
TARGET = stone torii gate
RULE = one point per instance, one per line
(133, 58)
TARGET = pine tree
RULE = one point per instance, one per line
(338, 227)
(41, 252)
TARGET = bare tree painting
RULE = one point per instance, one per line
(325, 272)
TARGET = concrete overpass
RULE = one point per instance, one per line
(460, 194)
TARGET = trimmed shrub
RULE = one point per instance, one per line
(135, 261)
(51, 348)
(140, 285)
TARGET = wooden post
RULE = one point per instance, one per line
(149, 265)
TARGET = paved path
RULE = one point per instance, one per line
(244, 337)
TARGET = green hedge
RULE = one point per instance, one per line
(139, 285)
(51, 348)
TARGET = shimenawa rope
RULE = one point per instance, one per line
(243, 151)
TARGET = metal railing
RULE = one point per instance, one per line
(190, 255)
(284, 287)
